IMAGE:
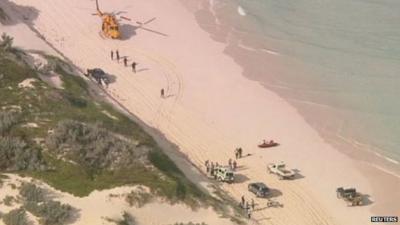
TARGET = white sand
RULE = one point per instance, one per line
(31, 125)
(39, 61)
(211, 107)
(109, 115)
(99, 205)
(27, 83)
(53, 79)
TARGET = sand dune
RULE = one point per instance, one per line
(210, 108)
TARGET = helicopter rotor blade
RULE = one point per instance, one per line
(150, 20)
(153, 31)
(125, 18)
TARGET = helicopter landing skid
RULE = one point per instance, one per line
(102, 35)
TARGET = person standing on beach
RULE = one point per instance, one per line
(117, 53)
(112, 55)
(243, 200)
(234, 165)
(230, 163)
(125, 61)
(162, 93)
(248, 213)
(253, 205)
(134, 67)
(206, 162)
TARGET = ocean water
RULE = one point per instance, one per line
(349, 55)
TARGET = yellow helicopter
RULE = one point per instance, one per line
(110, 26)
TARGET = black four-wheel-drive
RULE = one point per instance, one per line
(350, 195)
(99, 75)
(259, 189)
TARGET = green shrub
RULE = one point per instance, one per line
(127, 219)
(94, 147)
(16, 217)
(32, 193)
(6, 42)
(7, 120)
(8, 200)
(16, 155)
(51, 212)
(138, 198)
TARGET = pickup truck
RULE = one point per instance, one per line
(280, 170)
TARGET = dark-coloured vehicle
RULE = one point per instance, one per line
(350, 195)
(259, 189)
(99, 75)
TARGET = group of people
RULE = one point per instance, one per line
(125, 60)
(133, 66)
(210, 166)
(232, 164)
(248, 207)
(238, 153)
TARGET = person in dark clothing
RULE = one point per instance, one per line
(112, 55)
(243, 201)
(125, 61)
(162, 93)
(134, 67)
(253, 205)
(117, 53)
(234, 165)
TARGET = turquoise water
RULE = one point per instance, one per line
(349, 52)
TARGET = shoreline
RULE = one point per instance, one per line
(201, 125)
(367, 161)
(390, 165)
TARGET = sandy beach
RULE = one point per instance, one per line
(210, 108)
(102, 206)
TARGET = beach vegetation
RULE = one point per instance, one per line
(16, 217)
(84, 149)
(9, 200)
(6, 41)
(32, 193)
(17, 155)
(7, 120)
(127, 219)
(138, 198)
(51, 212)
(94, 147)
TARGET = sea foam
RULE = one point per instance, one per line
(241, 11)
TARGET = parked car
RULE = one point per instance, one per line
(350, 195)
(281, 170)
(259, 189)
(224, 174)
